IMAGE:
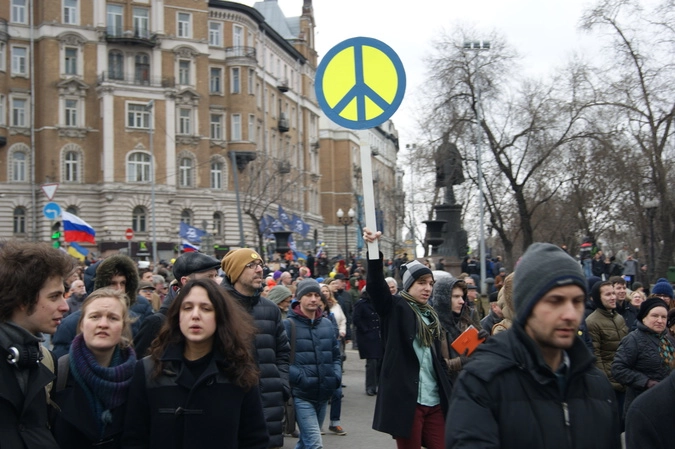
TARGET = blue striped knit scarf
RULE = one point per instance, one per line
(105, 387)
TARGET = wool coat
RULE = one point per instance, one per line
(399, 378)
(508, 397)
(176, 411)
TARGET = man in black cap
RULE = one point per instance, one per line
(536, 385)
(495, 315)
(188, 266)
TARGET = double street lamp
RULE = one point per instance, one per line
(346, 221)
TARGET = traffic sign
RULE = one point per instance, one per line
(360, 83)
(52, 211)
(50, 190)
(129, 234)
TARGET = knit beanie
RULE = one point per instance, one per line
(648, 305)
(278, 294)
(663, 287)
(307, 286)
(413, 271)
(542, 268)
(235, 261)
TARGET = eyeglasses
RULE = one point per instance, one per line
(254, 265)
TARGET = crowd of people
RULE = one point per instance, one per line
(240, 353)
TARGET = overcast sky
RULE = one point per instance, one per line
(545, 33)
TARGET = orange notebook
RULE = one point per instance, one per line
(467, 341)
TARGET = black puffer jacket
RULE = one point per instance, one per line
(637, 360)
(273, 354)
(508, 397)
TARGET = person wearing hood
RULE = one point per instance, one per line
(607, 328)
(453, 312)
(536, 386)
(243, 279)
(647, 355)
(118, 272)
(316, 371)
(414, 385)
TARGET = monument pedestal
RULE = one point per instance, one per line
(454, 237)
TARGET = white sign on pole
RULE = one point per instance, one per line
(50, 189)
(369, 199)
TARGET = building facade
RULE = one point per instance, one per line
(140, 111)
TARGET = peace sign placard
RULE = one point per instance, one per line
(360, 83)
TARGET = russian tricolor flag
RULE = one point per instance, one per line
(76, 229)
(189, 247)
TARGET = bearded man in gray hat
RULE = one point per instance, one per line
(536, 385)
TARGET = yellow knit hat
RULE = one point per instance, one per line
(235, 261)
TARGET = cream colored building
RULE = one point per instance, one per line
(114, 100)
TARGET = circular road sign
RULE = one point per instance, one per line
(360, 83)
(129, 234)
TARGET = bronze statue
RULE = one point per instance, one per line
(448, 168)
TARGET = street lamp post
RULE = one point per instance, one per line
(650, 206)
(480, 46)
(346, 222)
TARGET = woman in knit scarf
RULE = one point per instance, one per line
(92, 388)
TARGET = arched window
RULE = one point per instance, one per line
(20, 220)
(217, 223)
(138, 167)
(139, 219)
(116, 65)
(186, 217)
(73, 210)
(71, 166)
(18, 166)
(185, 172)
(142, 68)
(216, 175)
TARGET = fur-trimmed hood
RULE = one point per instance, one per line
(505, 298)
(118, 263)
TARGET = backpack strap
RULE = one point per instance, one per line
(64, 369)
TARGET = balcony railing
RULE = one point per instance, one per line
(112, 76)
(283, 123)
(137, 36)
(240, 52)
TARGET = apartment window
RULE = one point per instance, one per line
(141, 22)
(19, 11)
(238, 36)
(216, 123)
(138, 167)
(236, 126)
(251, 127)
(3, 56)
(71, 112)
(216, 175)
(19, 58)
(217, 223)
(114, 22)
(186, 217)
(19, 113)
(70, 12)
(184, 72)
(139, 218)
(216, 80)
(216, 34)
(184, 29)
(138, 116)
(251, 81)
(70, 61)
(185, 121)
(142, 68)
(18, 166)
(72, 166)
(19, 220)
(185, 172)
(116, 65)
(236, 81)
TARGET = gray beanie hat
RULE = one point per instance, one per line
(307, 286)
(278, 294)
(542, 268)
(413, 271)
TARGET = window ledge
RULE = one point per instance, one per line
(72, 131)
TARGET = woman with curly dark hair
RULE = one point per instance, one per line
(199, 385)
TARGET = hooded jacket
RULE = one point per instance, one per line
(508, 397)
(272, 355)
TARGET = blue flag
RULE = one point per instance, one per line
(284, 218)
(190, 233)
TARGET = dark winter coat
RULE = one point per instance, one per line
(316, 371)
(606, 329)
(151, 326)
(637, 361)
(272, 355)
(489, 321)
(367, 327)
(75, 426)
(645, 426)
(176, 411)
(23, 415)
(629, 313)
(508, 397)
(399, 378)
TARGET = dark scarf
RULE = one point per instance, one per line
(105, 387)
(426, 333)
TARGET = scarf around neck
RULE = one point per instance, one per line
(105, 387)
(426, 333)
